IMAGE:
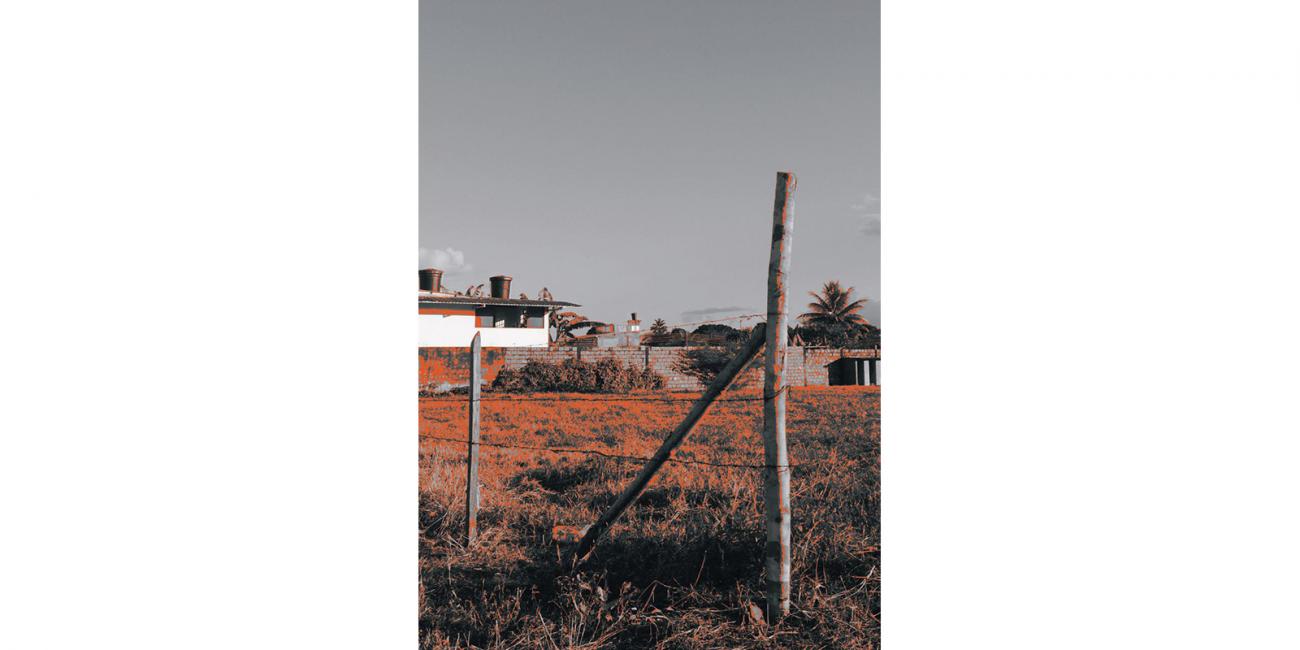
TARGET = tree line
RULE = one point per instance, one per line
(833, 319)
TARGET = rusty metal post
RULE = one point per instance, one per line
(776, 474)
(674, 440)
(471, 480)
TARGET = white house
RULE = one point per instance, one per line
(451, 319)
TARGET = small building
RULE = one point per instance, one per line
(620, 335)
(450, 319)
(610, 335)
(851, 371)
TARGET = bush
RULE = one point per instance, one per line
(704, 364)
(574, 376)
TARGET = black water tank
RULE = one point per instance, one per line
(500, 286)
(430, 280)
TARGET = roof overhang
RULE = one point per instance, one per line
(485, 301)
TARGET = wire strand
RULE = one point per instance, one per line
(577, 398)
(593, 452)
(679, 325)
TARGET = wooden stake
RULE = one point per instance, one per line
(776, 476)
(471, 481)
(674, 440)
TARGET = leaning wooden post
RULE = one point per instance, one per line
(776, 474)
(719, 384)
(471, 480)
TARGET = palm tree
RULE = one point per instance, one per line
(834, 306)
(565, 322)
(659, 327)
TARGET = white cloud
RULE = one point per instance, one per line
(867, 212)
(450, 260)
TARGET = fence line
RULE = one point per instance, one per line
(595, 452)
(667, 325)
(770, 336)
(573, 398)
(711, 322)
(624, 457)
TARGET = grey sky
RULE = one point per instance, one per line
(624, 154)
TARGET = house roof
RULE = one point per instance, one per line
(484, 301)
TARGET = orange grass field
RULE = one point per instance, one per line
(685, 562)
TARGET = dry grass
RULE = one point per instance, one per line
(680, 569)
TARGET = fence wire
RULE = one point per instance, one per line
(593, 452)
(621, 457)
(568, 397)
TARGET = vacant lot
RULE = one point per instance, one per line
(680, 569)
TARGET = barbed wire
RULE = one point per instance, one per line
(578, 398)
(604, 454)
(716, 320)
(569, 397)
(677, 325)
(622, 457)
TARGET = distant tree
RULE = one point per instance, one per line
(659, 327)
(834, 306)
(715, 334)
(840, 335)
(675, 338)
(715, 329)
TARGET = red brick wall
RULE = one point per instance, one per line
(804, 366)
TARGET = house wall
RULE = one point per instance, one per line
(805, 366)
(457, 330)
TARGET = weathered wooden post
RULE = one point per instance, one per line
(471, 480)
(674, 439)
(776, 474)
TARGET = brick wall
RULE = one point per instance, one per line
(451, 365)
(805, 366)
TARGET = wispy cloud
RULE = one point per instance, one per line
(867, 212)
(708, 313)
(450, 260)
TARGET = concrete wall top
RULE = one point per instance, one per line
(805, 366)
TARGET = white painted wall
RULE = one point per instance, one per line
(438, 331)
